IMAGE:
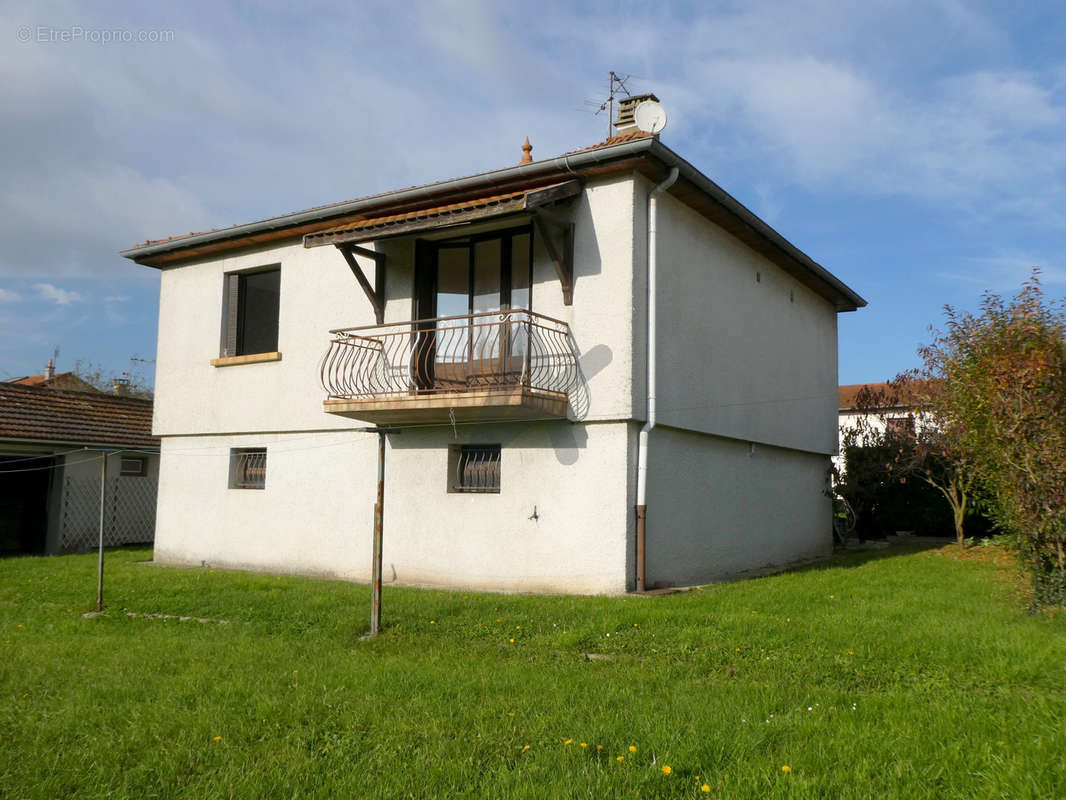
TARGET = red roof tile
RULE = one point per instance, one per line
(625, 137)
(34, 413)
(882, 395)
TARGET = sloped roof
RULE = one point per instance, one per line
(61, 380)
(632, 151)
(31, 413)
(883, 395)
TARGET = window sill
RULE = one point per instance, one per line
(253, 358)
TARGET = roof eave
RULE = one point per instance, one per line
(561, 165)
(842, 296)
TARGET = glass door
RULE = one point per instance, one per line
(458, 285)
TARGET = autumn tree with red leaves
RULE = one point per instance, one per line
(1001, 388)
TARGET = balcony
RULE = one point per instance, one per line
(498, 365)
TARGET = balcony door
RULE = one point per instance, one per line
(461, 344)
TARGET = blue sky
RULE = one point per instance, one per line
(915, 149)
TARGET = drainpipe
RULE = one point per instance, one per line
(642, 441)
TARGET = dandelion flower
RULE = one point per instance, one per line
(832, 597)
(786, 768)
(511, 640)
(599, 747)
(620, 759)
(569, 741)
(217, 739)
(433, 622)
(518, 627)
(632, 748)
(525, 748)
(510, 713)
(584, 744)
(705, 788)
(666, 769)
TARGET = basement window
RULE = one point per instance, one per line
(251, 301)
(474, 469)
(247, 467)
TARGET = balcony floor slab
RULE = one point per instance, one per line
(440, 407)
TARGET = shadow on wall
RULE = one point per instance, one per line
(589, 366)
(562, 436)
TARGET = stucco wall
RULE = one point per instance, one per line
(315, 515)
(744, 349)
(319, 293)
(718, 508)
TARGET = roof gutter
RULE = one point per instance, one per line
(568, 164)
(727, 201)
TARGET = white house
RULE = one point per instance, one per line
(502, 323)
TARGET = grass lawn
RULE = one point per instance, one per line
(903, 674)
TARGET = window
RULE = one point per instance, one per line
(247, 468)
(133, 467)
(250, 312)
(900, 426)
(474, 468)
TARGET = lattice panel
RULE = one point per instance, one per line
(129, 513)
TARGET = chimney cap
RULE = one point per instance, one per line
(624, 122)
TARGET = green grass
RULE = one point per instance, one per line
(911, 675)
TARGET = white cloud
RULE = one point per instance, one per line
(8, 296)
(1007, 271)
(61, 297)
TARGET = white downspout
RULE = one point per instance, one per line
(642, 441)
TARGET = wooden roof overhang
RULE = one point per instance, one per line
(556, 231)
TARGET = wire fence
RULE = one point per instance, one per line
(129, 512)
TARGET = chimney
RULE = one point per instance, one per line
(624, 123)
(50, 370)
(120, 386)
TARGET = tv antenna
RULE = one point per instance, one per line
(617, 85)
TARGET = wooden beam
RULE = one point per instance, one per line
(537, 198)
(562, 259)
(376, 298)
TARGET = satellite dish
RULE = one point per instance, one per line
(650, 117)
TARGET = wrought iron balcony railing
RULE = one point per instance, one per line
(474, 353)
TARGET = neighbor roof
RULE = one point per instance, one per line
(30, 413)
(60, 380)
(883, 395)
(632, 152)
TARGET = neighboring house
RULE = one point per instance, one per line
(51, 444)
(880, 405)
(501, 323)
(50, 379)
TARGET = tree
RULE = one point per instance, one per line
(1002, 379)
(896, 444)
(131, 383)
(932, 451)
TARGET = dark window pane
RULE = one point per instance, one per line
(257, 322)
(520, 271)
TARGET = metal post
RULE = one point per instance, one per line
(379, 514)
(100, 559)
(379, 524)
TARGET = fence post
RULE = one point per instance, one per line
(100, 558)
